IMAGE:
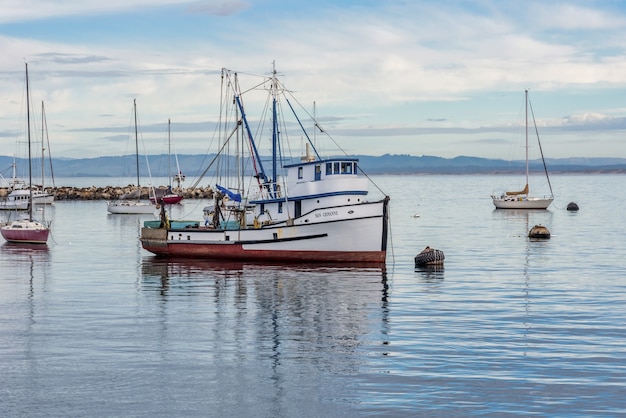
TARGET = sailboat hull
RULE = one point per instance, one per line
(25, 231)
(356, 233)
(130, 208)
(168, 199)
(522, 202)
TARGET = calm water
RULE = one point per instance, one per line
(95, 326)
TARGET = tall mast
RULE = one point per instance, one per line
(526, 101)
(169, 153)
(275, 133)
(43, 148)
(30, 168)
(136, 145)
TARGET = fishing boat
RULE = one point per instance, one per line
(522, 199)
(305, 208)
(26, 229)
(131, 204)
(167, 196)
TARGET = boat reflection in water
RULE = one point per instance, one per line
(284, 337)
(307, 280)
(294, 302)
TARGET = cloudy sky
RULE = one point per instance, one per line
(443, 78)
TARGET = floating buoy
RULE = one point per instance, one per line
(572, 206)
(429, 256)
(539, 231)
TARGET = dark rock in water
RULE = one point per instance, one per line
(539, 231)
(429, 256)
(572, 206)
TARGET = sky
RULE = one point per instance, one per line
(442, 78)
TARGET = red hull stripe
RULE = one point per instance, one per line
(235, 251)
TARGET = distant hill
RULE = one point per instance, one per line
(193, 165)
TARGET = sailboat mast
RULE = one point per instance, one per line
(526, 102)
(136, 145)
(43, 148)
(169, 153)
(30, 168)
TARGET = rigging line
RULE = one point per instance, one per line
(545, 169)
(215, 157)
(322, 130)
(48, 145)
(304, 130)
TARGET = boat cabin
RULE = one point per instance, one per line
(310, 185)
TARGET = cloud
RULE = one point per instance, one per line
(219, 8)
(375, 69)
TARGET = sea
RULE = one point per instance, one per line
(91, 325)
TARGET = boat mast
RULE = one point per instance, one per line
(275, 138)
(526, 101)
(43, 148)
(30, 168)
(136, 147)
(169, 153)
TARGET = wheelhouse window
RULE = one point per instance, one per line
(300, 172)
(329, 168)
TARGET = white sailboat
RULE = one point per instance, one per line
(132, 204)
(522, 199)
(307, 209)
(22, 194)
(26, 229)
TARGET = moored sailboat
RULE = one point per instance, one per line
(315, 209)
(522, 199)
(26, 229)
(167, 196)
(132, 203)
(21, 194)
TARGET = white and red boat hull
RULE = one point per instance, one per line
(351, 233)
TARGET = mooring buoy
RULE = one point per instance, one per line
(429, 256)
(539, 231)
(572, 206)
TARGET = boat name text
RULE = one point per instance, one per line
(329, 213)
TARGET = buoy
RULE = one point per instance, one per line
(572, 206)
(539, 231)
(429, 256)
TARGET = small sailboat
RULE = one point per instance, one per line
(26, 229)
(21, 194)
(132, 203)
(522, 199)
(304, 208)
(168, 197)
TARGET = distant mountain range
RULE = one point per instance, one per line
(193, 165)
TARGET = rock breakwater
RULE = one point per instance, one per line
(112, 193)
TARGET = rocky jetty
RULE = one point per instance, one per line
(112, 193)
